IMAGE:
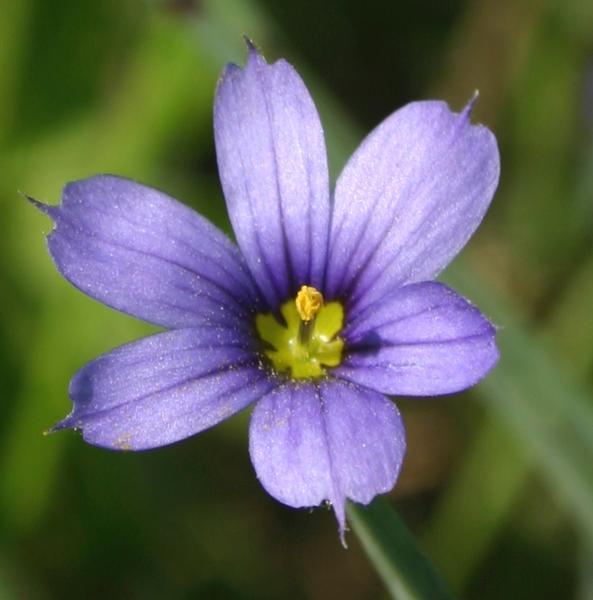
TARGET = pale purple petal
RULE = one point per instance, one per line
(165, 388)
(273, 168)
(408, 200)
(421, 340)
(326, 441)
(143, 253)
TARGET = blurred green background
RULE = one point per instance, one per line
(498, 482)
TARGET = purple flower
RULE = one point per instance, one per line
(326, 306)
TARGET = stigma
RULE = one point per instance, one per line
(308, 302)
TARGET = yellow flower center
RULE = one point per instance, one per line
(309, 341)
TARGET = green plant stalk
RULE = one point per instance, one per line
(404, 569)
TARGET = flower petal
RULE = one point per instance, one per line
(165, 387)
(273, 168)
(327, 441)
(408, 200)
(143, 253)
(421, 340)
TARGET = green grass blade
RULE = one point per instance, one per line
(548, 413)
(477, 502)
(406, 572)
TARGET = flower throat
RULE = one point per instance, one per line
(309, 341)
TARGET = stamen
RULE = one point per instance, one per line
(308, 303)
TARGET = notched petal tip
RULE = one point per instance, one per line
(469, 107)
(122, 443)
(231, 70)
(47, 209)
(251, 47)
(254, 57)
(340, 513)
(69, 422)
